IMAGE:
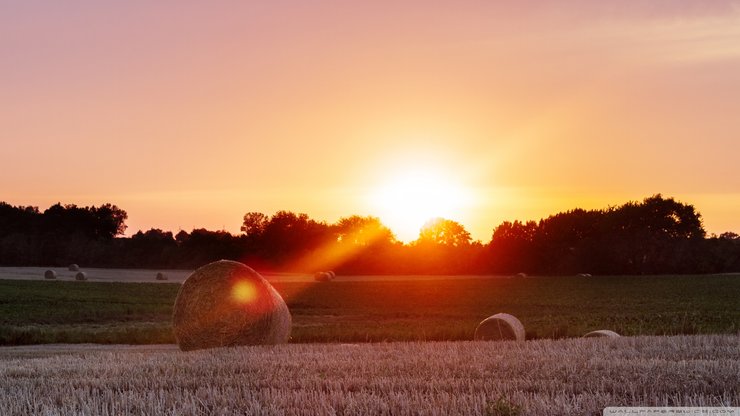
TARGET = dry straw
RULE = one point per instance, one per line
(161, 276)
(81, 276)
(602, 333)
(226, 303)
(500, 327)
(50, 274)
(73, 268)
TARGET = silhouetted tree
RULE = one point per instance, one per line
(362, 245)
(254, 223)
(153, 248)
(563, 242)
(443, 246)
(363, 231)
(511, 247)
(202, 246)
(110, 220)
(656, 235)
(288, 236)
(106, 221)
(18, 219)
(444, 232)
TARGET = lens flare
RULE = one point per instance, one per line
(244, 292)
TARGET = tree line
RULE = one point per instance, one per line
(654, 236)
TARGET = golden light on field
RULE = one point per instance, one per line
(244, 292)
(410, 198)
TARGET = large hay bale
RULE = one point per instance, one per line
(50, 274)
(81, 276)
(500, 327)
(161, 276)
(332, 274)
(73, 268)
(322, 277)
(226, 303)
(602, 333)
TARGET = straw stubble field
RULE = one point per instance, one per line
(545, 377)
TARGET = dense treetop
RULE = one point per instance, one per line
(656, 235)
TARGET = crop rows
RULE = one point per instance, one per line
(36, 312)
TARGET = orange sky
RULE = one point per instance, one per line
(191, 114)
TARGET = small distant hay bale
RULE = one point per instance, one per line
(500, 327)
(584, 274)
(602, 333)
(332, 274)
(73, 268)
(161, 276)
(81, 276)
(226, 303)
(322, 277)
(50, 274)
(521, 275)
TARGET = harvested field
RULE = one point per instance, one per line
(178, 276)
(93, 274)
(576, 376)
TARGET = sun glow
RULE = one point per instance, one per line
(407, 200)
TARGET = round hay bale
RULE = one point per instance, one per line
(73, 268)
(602, 333)
(81, 276)
(161, 276)
(584, 275)
(332, 274)
(521, 275)
(50, 274)
(321, 277)
(500, 327)
(226, 303)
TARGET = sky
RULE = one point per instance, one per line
(190, 114)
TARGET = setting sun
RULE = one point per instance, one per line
(406, 201)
